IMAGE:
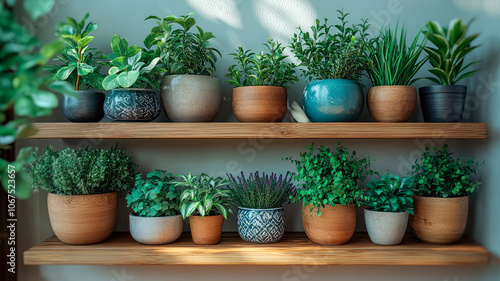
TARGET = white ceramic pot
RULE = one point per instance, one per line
(386, 228)
(155, 230)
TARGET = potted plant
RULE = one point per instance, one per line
(392, 98)
(389, 201)
(132, 80)
(260, 94)
(79, 67)
(189, 91)
(83, 186)
(333, 58)
(330, 192)
(443, 186)
(445, 102)
(155, 204)
(261, 218)
(207, 204)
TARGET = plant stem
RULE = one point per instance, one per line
(77, 82)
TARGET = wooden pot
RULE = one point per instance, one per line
(439, 220)
(259, 103)
(335, 225)
(82, 219)
(206, 230)
(392, 103)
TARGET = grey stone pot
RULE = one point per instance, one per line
(386, 228)
(155, 230)
(261, 225)
(190, 98)
(87, 107)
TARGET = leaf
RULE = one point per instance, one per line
(64, 72)
(51, 49)
(44, 99)
(152, 17)
(134, 59)
(150, 67)
(110, 82)
(38, 8)
(84, 69)
(63, 88)
(85, 41)
(127, 79)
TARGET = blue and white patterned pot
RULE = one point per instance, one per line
(132, 105)
(261, 225)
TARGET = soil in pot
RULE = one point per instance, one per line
(155, 230)
(206, 230)
(386, 228)
(335, 225)
(391, 103)
(261, 225)
(259, 103)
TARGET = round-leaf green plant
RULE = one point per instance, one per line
(390, 194)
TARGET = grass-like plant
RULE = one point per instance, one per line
(390, 194)
(262, 192)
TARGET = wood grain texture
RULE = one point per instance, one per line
(172, 130)
(293, 249)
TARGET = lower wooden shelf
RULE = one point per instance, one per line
(293, 249)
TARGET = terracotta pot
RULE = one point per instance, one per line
(335, 225)
(392, 103)
(439, 220)
(155, 230)
(82, 219)
(386, 228)
(259, 103)
(206, 230)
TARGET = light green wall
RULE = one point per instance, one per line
(248, 23)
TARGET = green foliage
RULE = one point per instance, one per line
(394, 62)
(262, 69)
(183, 51)
(81, 171)
(450, 47)
(128, 67)
(330, 178)
(390, 194)
(78, 60)
(438, 174)
(203, 195)
(154, 196)
(266, 192)
(328, 55)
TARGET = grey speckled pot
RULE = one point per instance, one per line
(87, 107)
(386, 228)
(155, 230)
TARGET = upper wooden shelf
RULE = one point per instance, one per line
(215, 130)
(293, 249)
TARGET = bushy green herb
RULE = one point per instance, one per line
(262, 69)
(81, 171)
(437, 174)
(262, 192)
(324, 54)
(450, 47)
(390, 194)
(154, 196)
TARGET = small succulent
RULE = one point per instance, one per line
(390, 194)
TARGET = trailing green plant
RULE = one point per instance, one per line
(438, 174)
(183, 51)
(394, 62)
(154, 196)
(78, 61)
(204, 196)
(447, 56)
(330, 177)
(261, 69)
(262, 192)
(333, 51)
(390, 194)
(81, 171)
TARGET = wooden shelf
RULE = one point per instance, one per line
(293, 249)
(171, 130)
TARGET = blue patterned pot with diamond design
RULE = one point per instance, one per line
(128, 104)
(261, 225)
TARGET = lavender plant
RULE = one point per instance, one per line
(262, 192)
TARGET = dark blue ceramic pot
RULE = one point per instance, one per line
(443, 103)
(261, 225)
(132, 105)
(333, 100)
(86, 107)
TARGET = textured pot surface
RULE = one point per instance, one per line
(261, 225)
(386, 228)
(206, 230)
(443, 103)
(132, 105)
(333, 100)
(82, 219)
(155, 230)
(439, 220)
(391, 103)
(87, 107)
(191, 98)
(259, 103)
(334, 226)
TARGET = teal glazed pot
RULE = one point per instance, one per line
(261, 225)
(333, 100)
(132, 105)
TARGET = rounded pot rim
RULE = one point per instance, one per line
(260, 86)
(90, 91)
(390, 86)
(134, 89)
(269, 209)
(132, 215)
(196, 75)
(100, 193)
(443, 198)
(384, 212)
(350, 205)
(438, 89)
(206, 216)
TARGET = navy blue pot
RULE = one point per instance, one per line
(86, 107)
(261, 225)
(132, 105)
(443, 103)
(333, 100)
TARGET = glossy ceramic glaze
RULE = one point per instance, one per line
(261, 225)
(132, 105)
(86, 107)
